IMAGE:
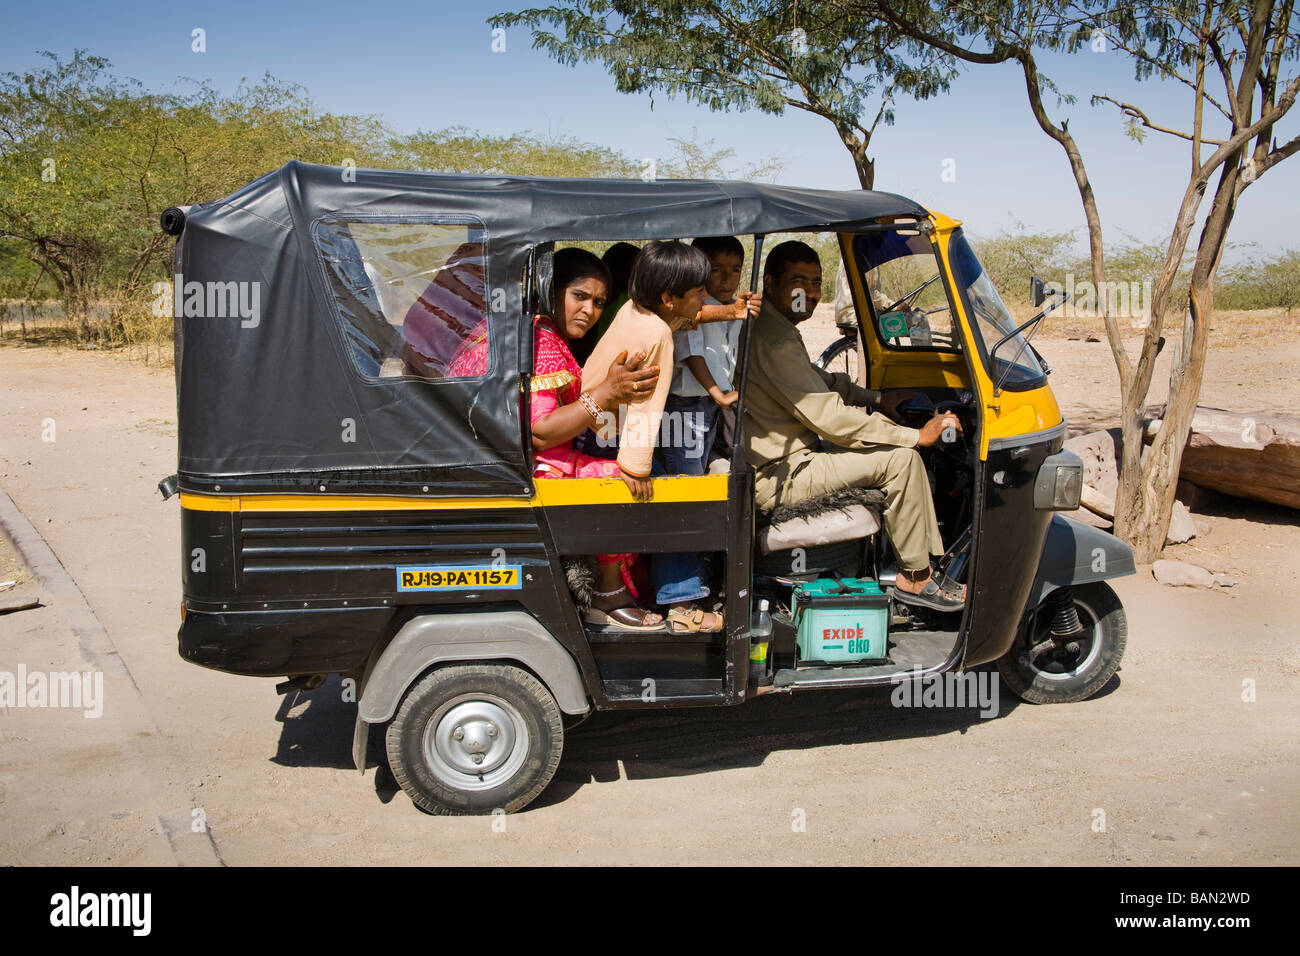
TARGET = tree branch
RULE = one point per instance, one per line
(1130, 110)
(907, 28)
(1226, 72)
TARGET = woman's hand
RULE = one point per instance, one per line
(641, 488)
(627, 382)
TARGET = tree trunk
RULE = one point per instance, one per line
(866, 170)
(1149, 519)
(1146, 515)
(76, 303)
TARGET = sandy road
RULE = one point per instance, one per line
(1184, 769)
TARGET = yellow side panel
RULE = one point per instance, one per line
(548, 493)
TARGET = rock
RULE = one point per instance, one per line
(1223, 581)
(1180, 574)
(1101, 505)
(1100, 454)
(1193, 495)
(1248, 456)
(1202, 527)
(1089, 518)
(1181, 526)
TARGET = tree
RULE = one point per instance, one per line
(746, 54)
(88, 160)
(53, 199)
(1241, 45)
(703, 159)
(460, 150)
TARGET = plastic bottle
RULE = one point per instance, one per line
(758, 644)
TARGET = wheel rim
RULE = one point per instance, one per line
(1051, 662)
(475, 742)
(843, 358)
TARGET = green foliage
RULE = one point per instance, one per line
(1010, 258)
(90, 160)
(702, 159)
(20, 277)
(459, 150)
(1261, 283)
(745, 54)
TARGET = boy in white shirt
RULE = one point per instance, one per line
(705, 361)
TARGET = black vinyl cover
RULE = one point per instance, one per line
(269, 396)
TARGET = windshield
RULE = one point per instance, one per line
(1014, 366)
(910, 302)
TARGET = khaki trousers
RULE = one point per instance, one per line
(898, 472)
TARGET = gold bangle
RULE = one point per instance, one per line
(589, 403)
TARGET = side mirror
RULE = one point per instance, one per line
(1037, 291)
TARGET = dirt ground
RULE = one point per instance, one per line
(189, 765)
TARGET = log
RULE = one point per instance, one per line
(1248, 456)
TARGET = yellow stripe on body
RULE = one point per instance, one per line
(552, 493)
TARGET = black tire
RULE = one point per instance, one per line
(1081, 668)
(845, 348)
(503, 713)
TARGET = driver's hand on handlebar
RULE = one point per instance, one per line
(890, 401)
(933, 430)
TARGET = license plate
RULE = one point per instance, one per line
(458, 578)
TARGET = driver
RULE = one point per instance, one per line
(809, 432)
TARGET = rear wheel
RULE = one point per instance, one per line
(474, 738)
(1041, 670)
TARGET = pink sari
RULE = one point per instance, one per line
(556, 381)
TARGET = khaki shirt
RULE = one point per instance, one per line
(791, 406)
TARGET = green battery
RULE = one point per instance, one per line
(841, 621)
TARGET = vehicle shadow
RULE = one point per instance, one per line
(653, 744)
(316, 727)
(316, 731)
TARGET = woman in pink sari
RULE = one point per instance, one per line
(560, 411)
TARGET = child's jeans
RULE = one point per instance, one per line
(686, 434)
(685, 437)
(684, 444)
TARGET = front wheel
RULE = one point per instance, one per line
(475, 738)
(840, 356)
(1043, 671)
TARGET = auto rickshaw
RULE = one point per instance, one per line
(349, 506)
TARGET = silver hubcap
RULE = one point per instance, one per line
(1086, 646)
(475, 742)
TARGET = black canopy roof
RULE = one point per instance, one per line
(534, 209)
(275, 402)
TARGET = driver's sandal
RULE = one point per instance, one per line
(933, 596)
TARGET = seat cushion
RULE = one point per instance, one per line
(847, 514)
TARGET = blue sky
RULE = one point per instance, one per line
(430, 65)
